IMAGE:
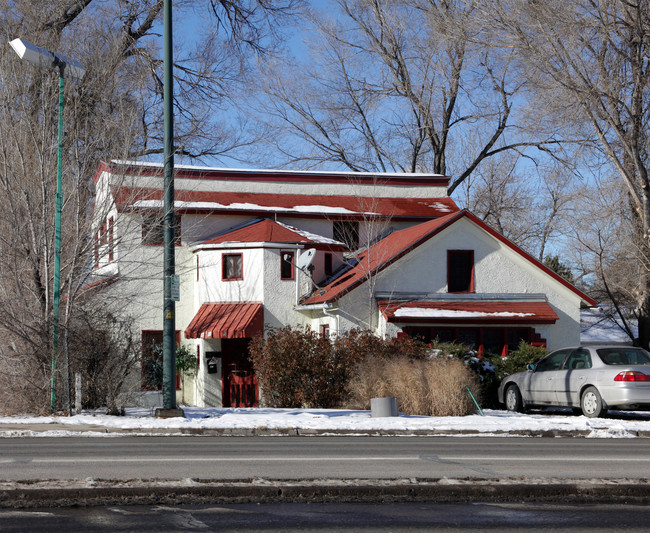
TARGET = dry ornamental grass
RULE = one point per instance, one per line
(431, 387)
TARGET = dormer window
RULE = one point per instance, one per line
(460, 270)
(346, 231)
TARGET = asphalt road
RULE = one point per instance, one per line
(331, 517)
(282, 458)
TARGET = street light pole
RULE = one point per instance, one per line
(45, 59)
(169, 408)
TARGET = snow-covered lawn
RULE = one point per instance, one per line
(494, 421)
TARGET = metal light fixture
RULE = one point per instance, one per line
(43, 58)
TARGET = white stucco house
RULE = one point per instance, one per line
(389, 252)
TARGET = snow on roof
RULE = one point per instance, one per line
(473, 310)
(159, 204)
(415, 312)
(266, 230)
(300, 204)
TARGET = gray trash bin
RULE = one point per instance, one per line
(383, 407)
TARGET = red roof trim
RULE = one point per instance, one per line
(226, 321)
(283, 176)
(487, 312)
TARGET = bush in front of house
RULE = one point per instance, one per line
(435, 386)
(517, 360)
(297, 367)
(492, 368)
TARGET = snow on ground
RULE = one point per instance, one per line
(494, 422)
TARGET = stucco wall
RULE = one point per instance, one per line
(498, 270)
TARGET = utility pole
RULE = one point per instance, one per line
(169, 408)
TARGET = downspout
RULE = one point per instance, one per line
(327, 312)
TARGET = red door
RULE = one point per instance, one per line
(239, 384)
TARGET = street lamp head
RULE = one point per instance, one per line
(45, 59)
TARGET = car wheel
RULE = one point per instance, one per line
(513, 399)
(591, 403)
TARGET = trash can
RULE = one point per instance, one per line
(383, 407)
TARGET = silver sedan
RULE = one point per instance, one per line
(590, 379)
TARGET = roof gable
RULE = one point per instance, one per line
(399, 243)
(379, 256)
(266, 230)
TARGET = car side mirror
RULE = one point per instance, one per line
(531, 367)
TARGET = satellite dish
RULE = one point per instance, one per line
(305, 259)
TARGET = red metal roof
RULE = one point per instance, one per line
(226, 321)
(399, 243)
(270, 231)
(464, 312)
(335, 207)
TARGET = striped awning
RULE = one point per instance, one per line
(226, 321)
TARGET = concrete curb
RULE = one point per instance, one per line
(20, 430)
(347, 491)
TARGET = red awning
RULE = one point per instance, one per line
(226, 321)
(484, 311)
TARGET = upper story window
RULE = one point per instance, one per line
(286, 265)
(329, 270)
(460, 270)
(346, 231)
(104, 242)
(153, 231)
(231, 267)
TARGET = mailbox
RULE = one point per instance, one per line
(213, 360)
(213, 365)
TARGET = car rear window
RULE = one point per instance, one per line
(624, 356)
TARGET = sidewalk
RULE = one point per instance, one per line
(319, 422)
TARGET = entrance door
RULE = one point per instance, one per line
(239, 384)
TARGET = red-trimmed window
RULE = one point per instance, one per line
(286, 265)
(111, 239)
(460, 270)
(493, 340)
(96, 249)
(231, 267)
(325, 330)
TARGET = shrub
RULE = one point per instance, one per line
(297, 367)
(424, 387)
(300, 368)
(492, 368)
(517, 360)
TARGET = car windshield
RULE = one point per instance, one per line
(624, 356)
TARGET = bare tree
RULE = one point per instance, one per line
(403, 86)
(590, 63)
(528, 205)
(112, 112)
